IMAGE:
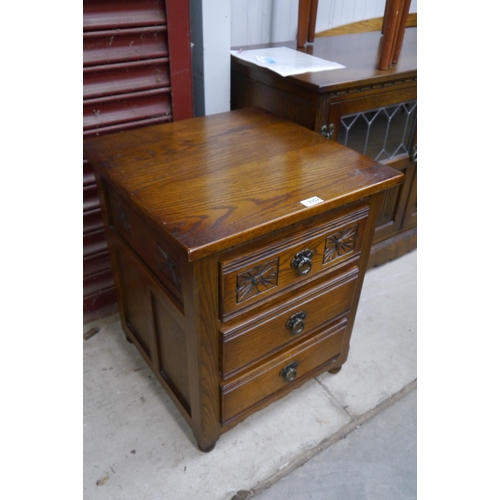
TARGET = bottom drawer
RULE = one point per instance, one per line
(282, 371)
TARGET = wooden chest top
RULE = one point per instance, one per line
(213, 182)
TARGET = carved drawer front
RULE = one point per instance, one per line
(272, 269)
(290, 323)
(281, 372)
(161, 259)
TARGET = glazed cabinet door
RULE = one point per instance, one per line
(384, 128)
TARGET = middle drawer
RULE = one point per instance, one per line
(257, 338)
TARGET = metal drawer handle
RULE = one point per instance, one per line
(296, 322)
(289, 372)
(302, 262)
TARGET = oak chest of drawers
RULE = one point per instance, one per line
(239, 243)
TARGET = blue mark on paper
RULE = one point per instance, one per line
(268, 60)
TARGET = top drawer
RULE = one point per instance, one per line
(282, 265)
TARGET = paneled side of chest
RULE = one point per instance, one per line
(168, 310)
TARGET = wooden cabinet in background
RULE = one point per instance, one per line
(239, 243)
(371, 111)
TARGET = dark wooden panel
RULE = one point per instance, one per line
(172, 351)
(156, 253)
(411, 207)
(299, 109)
(136, 301)
(389, 205)
(390, 218)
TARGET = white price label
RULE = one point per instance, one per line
(311, 201)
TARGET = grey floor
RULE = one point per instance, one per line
(346, 436)
(377, 461)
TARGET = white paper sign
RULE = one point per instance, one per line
(285, 61)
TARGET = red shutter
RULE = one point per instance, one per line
(136, 72)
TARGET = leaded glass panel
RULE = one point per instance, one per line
(381, 133)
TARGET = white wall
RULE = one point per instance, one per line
(211, 39)
(217, 37)
(263, 21)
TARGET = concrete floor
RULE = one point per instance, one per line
(350, 435)
(377, 461)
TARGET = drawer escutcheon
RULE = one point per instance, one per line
(289, 372)
(296, 322)
(302, 262)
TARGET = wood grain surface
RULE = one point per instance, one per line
(177, 174)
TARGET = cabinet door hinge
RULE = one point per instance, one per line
(413, 153)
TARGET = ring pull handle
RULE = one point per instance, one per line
(289, 372)
(302, 262)
(296, 322)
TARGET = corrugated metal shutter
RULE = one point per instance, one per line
(127, 68)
